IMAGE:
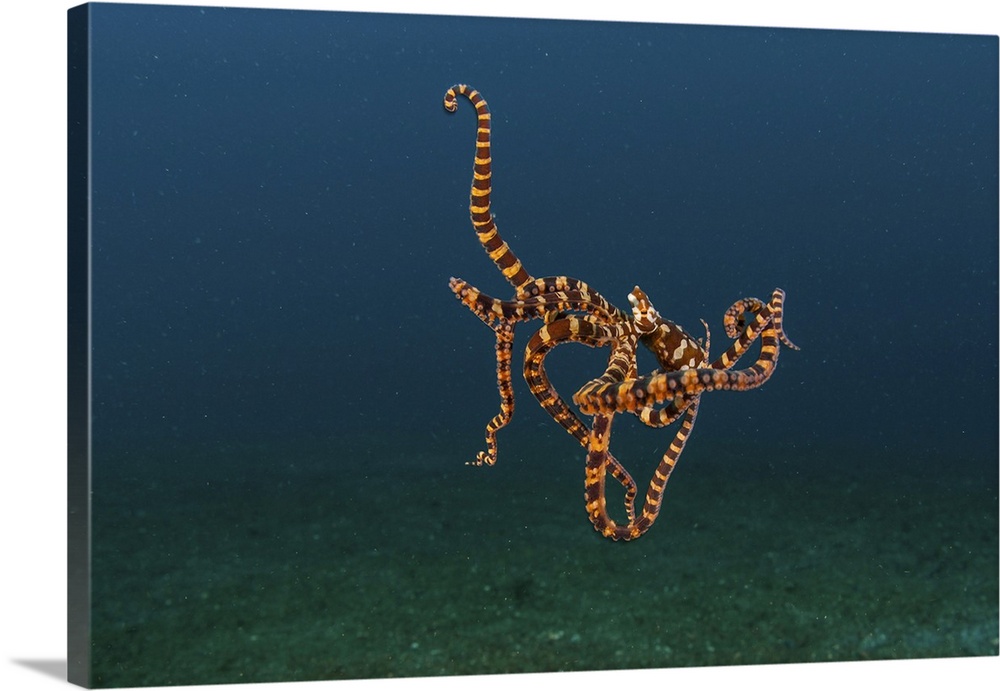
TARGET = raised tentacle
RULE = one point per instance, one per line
(479, 198)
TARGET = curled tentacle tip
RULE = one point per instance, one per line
(451, 97)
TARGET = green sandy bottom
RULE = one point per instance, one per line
(420, 566)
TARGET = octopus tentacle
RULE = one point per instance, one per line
(479, 197)
(571, 311)
(594, 483)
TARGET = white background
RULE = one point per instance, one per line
(33, 335)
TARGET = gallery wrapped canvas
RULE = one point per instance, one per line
(295, 455)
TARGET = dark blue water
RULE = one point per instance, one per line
(279, 199)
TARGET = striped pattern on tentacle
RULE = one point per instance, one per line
(479, 197)
(504, 347)
(622, 364)
(734, 320)
(572, 312)
(601, 397)
(555, 295)
(590, 330)
(621, 367)
(594, 483)
(568, 330)
(547, 296)
(571, 330)
(598, 396)
(763, 314)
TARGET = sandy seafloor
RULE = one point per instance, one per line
(407, 566)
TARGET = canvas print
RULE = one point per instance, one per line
(320, 267)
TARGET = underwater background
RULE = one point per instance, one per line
(285, 392)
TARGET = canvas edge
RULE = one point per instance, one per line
(78, 346)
